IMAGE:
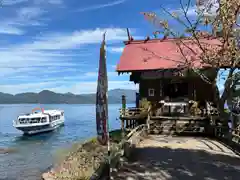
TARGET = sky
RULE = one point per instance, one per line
(54, 44)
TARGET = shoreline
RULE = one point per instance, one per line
(81, 160)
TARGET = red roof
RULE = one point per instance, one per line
(160, 54)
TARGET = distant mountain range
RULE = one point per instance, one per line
(49, 97)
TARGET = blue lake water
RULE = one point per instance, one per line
(35, 154)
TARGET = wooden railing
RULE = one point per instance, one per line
(134, 138)
(229, 137)
(130, 111)
(226, 133)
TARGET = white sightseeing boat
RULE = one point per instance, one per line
(38, 122)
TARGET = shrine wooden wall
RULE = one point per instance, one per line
(196, 88)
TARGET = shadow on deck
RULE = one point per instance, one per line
(204, 160)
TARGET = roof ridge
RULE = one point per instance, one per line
(161, 40)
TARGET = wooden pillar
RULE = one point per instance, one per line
(127, 123)
(175, 128)
(194, 91)
(123, 115)
(122, 126)
(148, 119)
(161, 90)
(123, 102)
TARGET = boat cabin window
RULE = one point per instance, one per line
(43, 120)
(52, 118)
(32, 120)
(21, 120)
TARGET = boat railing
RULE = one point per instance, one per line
(35, 109)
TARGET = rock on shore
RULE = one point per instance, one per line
(79, 164)
(7, 150)
(83, 161)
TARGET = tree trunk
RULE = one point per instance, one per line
(226, 94)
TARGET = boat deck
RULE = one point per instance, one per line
(166, 157)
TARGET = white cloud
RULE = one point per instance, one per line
(48, 2)
(116, 49)
(86, 87)
(29, 12)
(23, 17)
(13, 58)
(55, 2)
(48, 49)
(12, 2)
(208, 7)
(26, 87)
(95, 74)
(114, 67)
(48, 61)
(51, 58)
(15, 2)
(18, 19)
(78, 83)
(76, 39)
(191, 11)
(6, 29)
(100, 6)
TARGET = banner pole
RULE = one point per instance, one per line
(109, 153)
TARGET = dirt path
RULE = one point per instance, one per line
(183, 158)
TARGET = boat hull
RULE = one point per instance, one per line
(30, 130)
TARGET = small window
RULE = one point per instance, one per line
(150, 92)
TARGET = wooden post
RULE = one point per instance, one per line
(123, 114)
(123, 104)
(122, 126)
(128, 34)
(148, 119)
(194, 92)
